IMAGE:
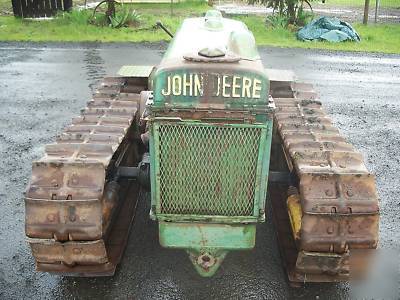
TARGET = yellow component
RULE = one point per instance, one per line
(295, 214)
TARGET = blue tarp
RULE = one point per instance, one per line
(328, 29)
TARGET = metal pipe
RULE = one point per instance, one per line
(165, 29)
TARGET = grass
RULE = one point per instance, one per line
(374, 38)
(74, 27)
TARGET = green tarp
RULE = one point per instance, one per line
(328, 29)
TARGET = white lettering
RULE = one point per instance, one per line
(188, 84)
(235, 87)
(176, 85)
(256, 88)
(225, 85)
(246, 87)
(168, 91)
(198, 90)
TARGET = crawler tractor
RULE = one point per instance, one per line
(212, 136)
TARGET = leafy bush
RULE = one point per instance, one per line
(125, 17)
(292, 10)
(303, 17)
(122, 16)
(277, 21)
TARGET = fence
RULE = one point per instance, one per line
(377, 11)
(39, 8)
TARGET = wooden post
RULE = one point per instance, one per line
(376, 10)
(366, 12)
(16, 4)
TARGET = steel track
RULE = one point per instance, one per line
(78, 215)
(340, 213)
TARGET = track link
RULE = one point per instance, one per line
(77, 215)
(339, 203)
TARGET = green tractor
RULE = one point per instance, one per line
(205, 133)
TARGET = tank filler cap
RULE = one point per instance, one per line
(211, 52)
(213, 20)
(213, 13)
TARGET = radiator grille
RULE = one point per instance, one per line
(207, 169)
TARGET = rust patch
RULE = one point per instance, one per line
(337, 193)
(69, 203)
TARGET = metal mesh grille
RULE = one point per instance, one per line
(207, 169)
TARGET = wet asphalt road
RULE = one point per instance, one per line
(42, 86)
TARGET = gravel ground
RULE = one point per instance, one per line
(348, 13)
(42, 86)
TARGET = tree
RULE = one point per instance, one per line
(292, 10)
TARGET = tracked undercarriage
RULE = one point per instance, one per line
(79, 203)
(324, 200)
(325, 208)
(214, 131)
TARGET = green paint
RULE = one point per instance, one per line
(197, 33)
(203, 236)
(209, 170)
(202, 176)
(211, 87)
(184, 83)
(206, 269)
(212, 241)
(209, 178)
(135, 71)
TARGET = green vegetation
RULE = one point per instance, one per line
(379, 38)
(123, 17)
(75, 27)
(291, 10)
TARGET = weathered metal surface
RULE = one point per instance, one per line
(188, 77)
(208, 261)
(295, 214)
(340, 212)
(203, 166)
(207, 243)
(196, 34)
(71, 199)
(302, 266)
(69, 253)
(237, 85)
(210, 127)
(93, 258)
(207, 235)
(324, 262)
(135, 71)
(208, 178)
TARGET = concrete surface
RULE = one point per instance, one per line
(42, 86)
